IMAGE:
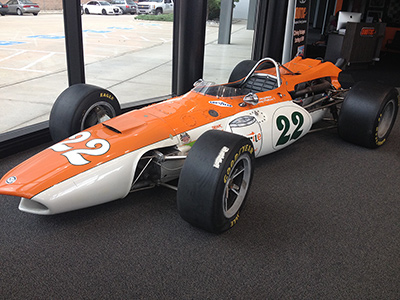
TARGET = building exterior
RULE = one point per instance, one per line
(49, 4)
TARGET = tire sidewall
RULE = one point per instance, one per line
(361, 111)
(378, 141)
(202, 181)
(71, 106)
(88, 102)
(222, 222)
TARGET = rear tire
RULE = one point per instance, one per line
(368, 114)
(215, 180)
(244, 67)
(79, 107)
(241, 70)
(87, 11)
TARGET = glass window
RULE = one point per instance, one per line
(32, 68)
(220, 59)
(130, 57)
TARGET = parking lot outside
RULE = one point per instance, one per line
(131, 58)
(50, 4)
(36, 45)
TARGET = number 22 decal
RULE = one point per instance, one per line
(283, 124)
(74, 156)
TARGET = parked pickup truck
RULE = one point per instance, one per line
(156, 7)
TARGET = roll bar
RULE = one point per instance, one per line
(276, 65)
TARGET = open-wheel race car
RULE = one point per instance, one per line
(208, 138)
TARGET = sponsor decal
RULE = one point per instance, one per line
(217, 127)
(220, 157)
(255, 137)
(220, 103)
(11, 180)
(185, 138)
(266, 99)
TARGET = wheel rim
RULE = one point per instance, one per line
(386, 119)
(236, 186)
(97, 113)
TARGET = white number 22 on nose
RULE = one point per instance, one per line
(75, 156)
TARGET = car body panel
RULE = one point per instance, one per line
(103, 183)
(99, 164)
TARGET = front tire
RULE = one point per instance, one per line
(79, 107)
(368, 114)
(87, 11)
(215, 180)
(19, 12)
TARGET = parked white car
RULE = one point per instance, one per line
(101, 7)
(156, 7)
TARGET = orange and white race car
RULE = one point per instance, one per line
(208, 138)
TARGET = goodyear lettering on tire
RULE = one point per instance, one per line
(234, 221)
(246, 148)
(377, 141)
